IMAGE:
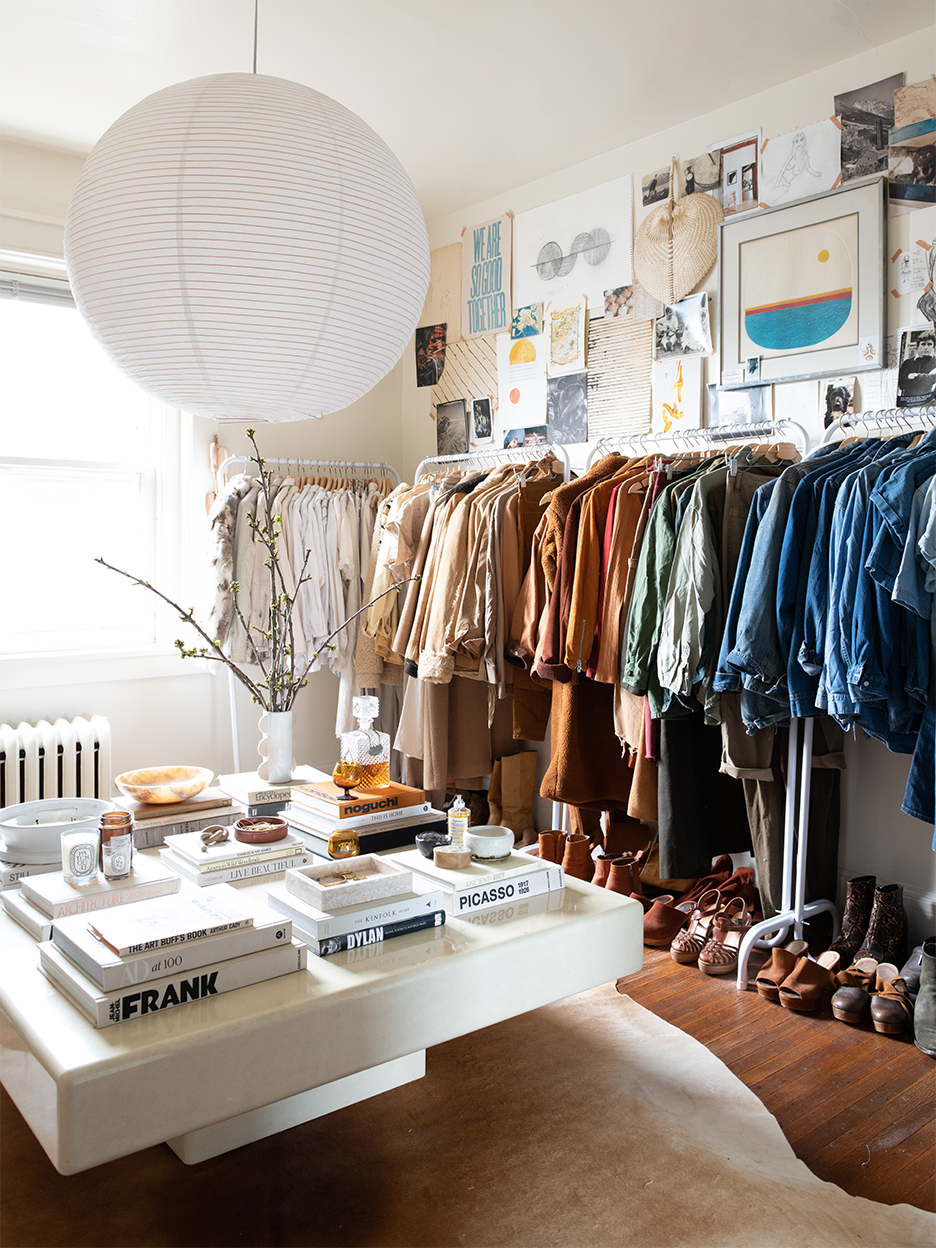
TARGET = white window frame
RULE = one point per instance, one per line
(170, 488)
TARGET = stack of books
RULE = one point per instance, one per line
(153, 823)
(232, 860)
(384, 818)
(41, 899)
(358, 927)
(256, 797)
(483, 885)
(12, 869)
(153, 955)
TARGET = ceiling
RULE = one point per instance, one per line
(474, 97)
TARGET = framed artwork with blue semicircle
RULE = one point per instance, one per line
(801, 287)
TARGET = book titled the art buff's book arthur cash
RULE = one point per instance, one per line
(105, 1008)
(482, 885)
(326, 797)
(162, 923)
(51, 895)
(370, 935)
(425, 898)
(110, 972)
(231, 875)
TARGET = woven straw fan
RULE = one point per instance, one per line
(677, 244)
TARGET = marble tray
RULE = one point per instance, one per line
(308, 884)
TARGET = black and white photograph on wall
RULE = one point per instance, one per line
(482, 422)
(654, 187)
(452, 428)
(702, 174)
(567, 408)
(867, 115)
(746, 406)
(683, 329)
(916, 371)
(839, 395)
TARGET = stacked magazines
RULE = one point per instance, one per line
(384, 818)
(231, 860)
(150, 956)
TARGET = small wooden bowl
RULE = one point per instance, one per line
(261, 828)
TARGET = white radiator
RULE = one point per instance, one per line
(70, 758)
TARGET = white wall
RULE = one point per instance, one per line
(184, 718)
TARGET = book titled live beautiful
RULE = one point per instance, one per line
(325, 796)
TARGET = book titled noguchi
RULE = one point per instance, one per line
(326, 797)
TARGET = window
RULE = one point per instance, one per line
(89, 465)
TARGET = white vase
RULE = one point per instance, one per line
(276, 747)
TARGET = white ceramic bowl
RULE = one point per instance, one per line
(158, 785)
(488, 842)
(37, 827)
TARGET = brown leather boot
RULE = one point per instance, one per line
(859, 899)
(577, 859)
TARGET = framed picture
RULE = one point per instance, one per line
(802, 287)
(452, 428)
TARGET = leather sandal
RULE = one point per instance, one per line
(777, 968)
(852, 995)
(803, 988)
(891, 1004)
(719, 956)
(688, 944)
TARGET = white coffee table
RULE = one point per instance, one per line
(216, 1074)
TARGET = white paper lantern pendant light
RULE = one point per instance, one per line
(246, 248)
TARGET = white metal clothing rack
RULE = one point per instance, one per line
(794, 907)
(501, 455)
(687, 439)
(328, 467)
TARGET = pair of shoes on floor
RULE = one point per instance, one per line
(874, 923)
(880, 986)
(713, 935)
(791, 977)
(570, 849)
(620, 872)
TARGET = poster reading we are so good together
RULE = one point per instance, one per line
(486, 278)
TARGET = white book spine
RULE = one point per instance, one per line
(231, 874)
(106, 1008)
(26, 915)
(104, 901)
(11, 874)
(117, 973)
(270, 853)
(502, 892)
(413, 860)
(320, 924)
(153, 832)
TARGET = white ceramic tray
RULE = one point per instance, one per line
(384, 879)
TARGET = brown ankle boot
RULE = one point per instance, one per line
(577, 859)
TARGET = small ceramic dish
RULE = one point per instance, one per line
(157, 786)
(489, 843)
(427, 841)
(352, 883)
(260, 828)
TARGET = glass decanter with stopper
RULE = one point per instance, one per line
(367, 747)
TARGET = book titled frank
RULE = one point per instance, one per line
(163, 922)
(106, 1008)
(51, 895)
(326, 797)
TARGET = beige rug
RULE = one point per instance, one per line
(586, 1123)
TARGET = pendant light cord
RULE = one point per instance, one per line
(256, 12)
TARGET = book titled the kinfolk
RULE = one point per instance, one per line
(51, 895)
(326, 797)
(106, 1008)
(372, 935)
(111, 972)
(163, 923)
(425, 898)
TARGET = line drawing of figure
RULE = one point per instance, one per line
(797, 163)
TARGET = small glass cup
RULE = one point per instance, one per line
(80, 856)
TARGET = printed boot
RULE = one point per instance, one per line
(886, 939)
(924, 1018)
(577, 859)
(859, 899)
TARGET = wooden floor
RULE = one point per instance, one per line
(858, 1107)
